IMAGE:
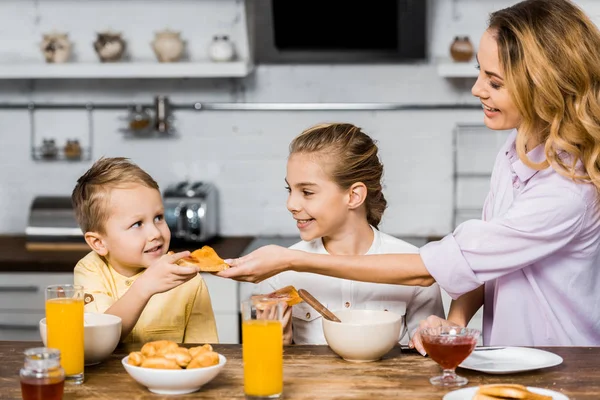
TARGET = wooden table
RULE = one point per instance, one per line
(315, 372)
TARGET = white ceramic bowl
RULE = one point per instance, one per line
(363, 335)
(101, 336)
(169, 381)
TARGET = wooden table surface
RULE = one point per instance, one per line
(14, 257)
(315, 372)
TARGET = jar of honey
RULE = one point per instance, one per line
(42, 377)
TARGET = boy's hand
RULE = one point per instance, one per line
(164, 274)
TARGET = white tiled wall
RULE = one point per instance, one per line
(244, 153)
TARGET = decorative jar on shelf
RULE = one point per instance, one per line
(49, 150)
(168, 46)
(72, 150)
(56, 47)
(221, 49)
(109, 46)
(461, 49)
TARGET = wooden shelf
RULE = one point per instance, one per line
(125, 70)
(452, 69)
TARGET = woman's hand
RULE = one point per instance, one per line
(432, 321)
(258, 265)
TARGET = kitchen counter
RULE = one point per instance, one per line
(14, 257)
(316, 372)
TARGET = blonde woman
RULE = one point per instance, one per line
(533, 259)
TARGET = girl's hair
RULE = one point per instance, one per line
(549, 51)
(91, 195)
(351, 157)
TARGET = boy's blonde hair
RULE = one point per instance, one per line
(550, 53)
(92, 193)
(351, 157)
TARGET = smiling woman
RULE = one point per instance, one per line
(500, 111)
(532, 259)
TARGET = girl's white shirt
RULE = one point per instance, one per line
(414, 302)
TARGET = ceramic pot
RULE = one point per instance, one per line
(110, 46)
(168, 46)
(221, 49)
(461, 49)
(56, 47)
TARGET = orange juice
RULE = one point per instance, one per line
(64, 321)
(262, 350)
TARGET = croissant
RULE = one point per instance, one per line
(159, 363)
(166, 354)
(205, 359)
(135, 358)
(158, 348)
(181, 356)
(194, 351)
(507, 391)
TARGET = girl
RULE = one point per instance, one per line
(334, 184)
(533, 259)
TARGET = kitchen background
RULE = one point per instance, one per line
(436, 161)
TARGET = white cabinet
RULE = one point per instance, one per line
(22, 297)
(225, 303)
(22, 304)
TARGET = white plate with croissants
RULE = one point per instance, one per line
(164, 367)
(504, 392)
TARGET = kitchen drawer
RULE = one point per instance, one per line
(19, 291)
(223, 293)
(20, 325)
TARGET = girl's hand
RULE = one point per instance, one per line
(432, 321)
(287, 325)
(164, 274)
(258, 265)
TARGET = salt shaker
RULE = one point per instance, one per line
(42, 377)
(221, 49)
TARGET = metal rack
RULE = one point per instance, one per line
(480, 169)
(89, 107)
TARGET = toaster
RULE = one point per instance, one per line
(191, 210)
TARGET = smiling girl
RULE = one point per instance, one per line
(336, 199)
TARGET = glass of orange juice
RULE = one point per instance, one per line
(64, 322)
(262, 348)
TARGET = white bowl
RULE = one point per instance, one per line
(101, 336)
(363, 335)
(174, 381)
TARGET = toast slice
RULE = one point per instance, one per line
(205, 259)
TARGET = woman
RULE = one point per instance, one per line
(533, 259)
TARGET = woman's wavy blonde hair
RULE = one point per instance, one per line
(550, 53)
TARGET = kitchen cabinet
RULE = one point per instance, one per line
(22, 302)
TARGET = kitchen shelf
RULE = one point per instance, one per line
(124, 70)
(452, 69)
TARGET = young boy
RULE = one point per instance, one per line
(129, 273)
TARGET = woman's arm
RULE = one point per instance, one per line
(463, 308)
(405, 269)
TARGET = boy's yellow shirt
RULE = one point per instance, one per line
(183, 314)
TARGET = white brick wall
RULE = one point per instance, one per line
(244, 153)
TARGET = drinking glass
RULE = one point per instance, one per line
(262, 348)
(449, 346)
(64, 322)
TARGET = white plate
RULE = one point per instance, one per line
(510, 360)
(468, 393)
